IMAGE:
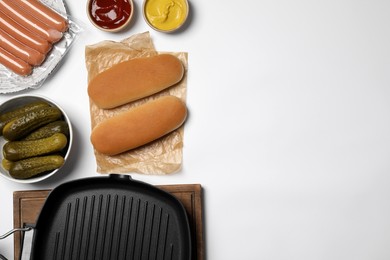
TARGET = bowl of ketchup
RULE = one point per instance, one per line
(110, 15)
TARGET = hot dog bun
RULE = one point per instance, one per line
(139, 125)
(134, 79)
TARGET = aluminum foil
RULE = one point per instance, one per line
(11, 82)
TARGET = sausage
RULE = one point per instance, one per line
(15, 64)
(25, 19)
(45, 14)
(138, 126)
(20, 50)
(23, 35)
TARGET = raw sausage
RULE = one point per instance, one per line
(15, 64)
(139, 126)
(20, 50)
(23, 35)
(27, 20)
(45, 14)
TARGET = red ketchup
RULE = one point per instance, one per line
(110, 14)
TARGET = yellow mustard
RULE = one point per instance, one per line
(166, 15)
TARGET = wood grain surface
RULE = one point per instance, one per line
(28, 204)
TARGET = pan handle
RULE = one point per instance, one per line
(15, 230)
(10, 233)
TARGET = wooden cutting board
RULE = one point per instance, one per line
(28, 204)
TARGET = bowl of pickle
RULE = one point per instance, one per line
(36, 138)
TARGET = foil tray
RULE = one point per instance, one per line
(11, 82)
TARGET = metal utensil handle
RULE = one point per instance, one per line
(15, 230)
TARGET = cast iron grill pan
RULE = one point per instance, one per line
(108, 218)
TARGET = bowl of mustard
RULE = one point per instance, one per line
(165, 15)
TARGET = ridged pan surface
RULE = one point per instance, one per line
(108, 218)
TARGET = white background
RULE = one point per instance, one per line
(289, 127)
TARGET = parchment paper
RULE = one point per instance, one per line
(162, 156)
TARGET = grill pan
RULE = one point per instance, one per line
(111, 218)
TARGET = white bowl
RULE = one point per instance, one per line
(161, 8)
(111, 28)
(17, 102)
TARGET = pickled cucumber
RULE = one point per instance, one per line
(8, 116)
(59, 126)
(17, 150)
(28, 122)
(6, 164)
(33, 166)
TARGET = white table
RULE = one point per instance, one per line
(289, 132)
